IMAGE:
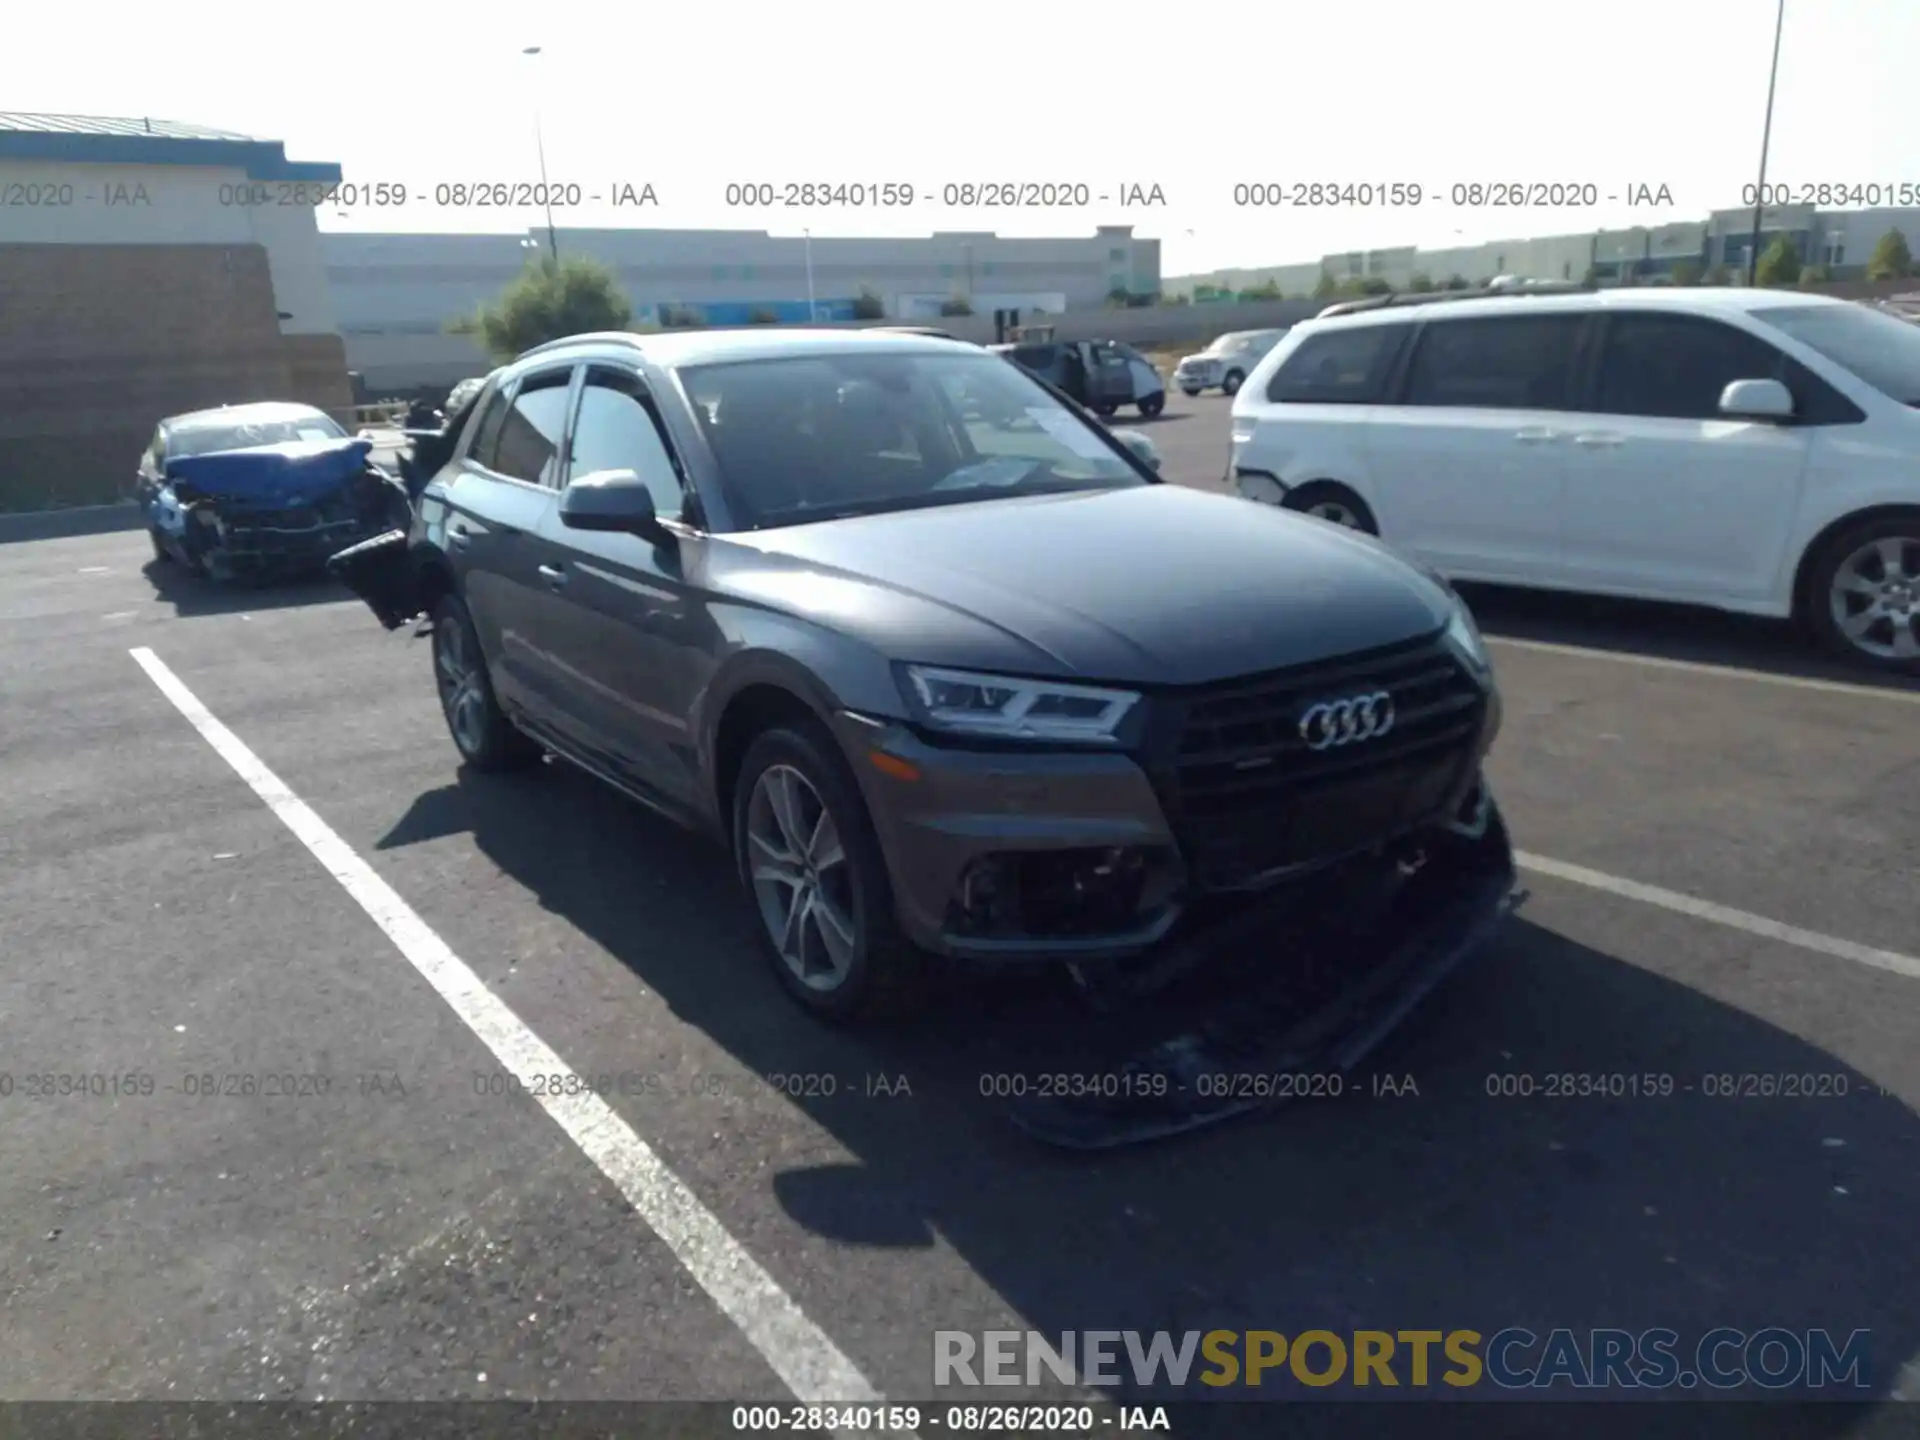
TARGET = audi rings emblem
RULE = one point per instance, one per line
(1347, 722)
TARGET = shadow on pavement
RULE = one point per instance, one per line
(1669, 632)
(1439, 1205)
(191, 595)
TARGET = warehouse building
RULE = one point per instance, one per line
(148, 268)
(1838, 240)
(397, 294)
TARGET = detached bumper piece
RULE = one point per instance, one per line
(381, 571)
(1298, 987)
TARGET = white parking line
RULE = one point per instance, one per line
(803, 1356)
(1701, 667)
(1722, 915)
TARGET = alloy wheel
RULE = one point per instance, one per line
(801, 878)
(1875, 598)
(462, 685)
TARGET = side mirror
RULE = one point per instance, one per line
(613, 502)
(1757, 400)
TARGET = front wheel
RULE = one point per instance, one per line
(1106, 409)
(1154, 404)
(1190, 390)
(811, 866)
(486, 739)
(1333, 503)
(1863, 602)
(1231, 385)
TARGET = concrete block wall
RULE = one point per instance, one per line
(99, 342)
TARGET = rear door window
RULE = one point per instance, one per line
(1495, 362)
(1345, 366)
(1675, 366)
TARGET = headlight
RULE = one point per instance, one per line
(969, 703)
(1462, 633)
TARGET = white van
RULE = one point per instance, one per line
(1752, 450)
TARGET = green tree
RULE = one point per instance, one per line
(1686, 272)
(1891, 259)
(1420, 283)
(1592, 276)
(1179, 297)
(956, 305)
(1779, 263)
(1326, 287)
(868, 306)
(1456, 282)
(1370, 285)
(1267, 289)
(1718, 276)
(763, 316)
(1119, 297)
(548, 300)
(1813, 275)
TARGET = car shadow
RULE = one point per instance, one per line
(1438, 1202)
(192, 595)
(1165, 417)
(1662, 631)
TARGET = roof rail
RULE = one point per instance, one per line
(591, 337)
(1441, 297)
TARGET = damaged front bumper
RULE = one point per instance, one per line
(1282, 999)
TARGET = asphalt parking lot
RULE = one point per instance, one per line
(246, 851)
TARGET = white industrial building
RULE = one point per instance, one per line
(395, 295)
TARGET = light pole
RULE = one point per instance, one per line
(546, 192)
(1766, 136)
(813, 312)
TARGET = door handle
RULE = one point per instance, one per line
(1598, 439)
(555, 577)
(459, 537)
(1536, 436)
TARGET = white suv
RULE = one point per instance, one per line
(1752, 450)
(1227, 362)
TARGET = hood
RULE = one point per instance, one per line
(292, 473)
(1157, 584)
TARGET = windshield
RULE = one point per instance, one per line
(819, 437)
(1227, 344)
(210, 439)
(1879, 348)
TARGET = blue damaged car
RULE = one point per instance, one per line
(262, 492)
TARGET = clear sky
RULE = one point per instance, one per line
(689, 97)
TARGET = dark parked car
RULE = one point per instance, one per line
(1102, 375)
(261, 491)
(941, 688)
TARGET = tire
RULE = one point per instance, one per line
(1871, 569)
(1231, 385)
(160, 551)
(854, 965)
(1330, 501)
(1192, 391)
(486, 739)
(1106, 409)
(1153, 404)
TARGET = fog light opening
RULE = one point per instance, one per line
(1058, 894)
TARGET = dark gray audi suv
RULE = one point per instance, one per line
(941, 663)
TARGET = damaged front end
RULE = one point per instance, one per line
(274, 511)
(1279, 997)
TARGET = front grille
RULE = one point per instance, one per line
(1247, 795)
